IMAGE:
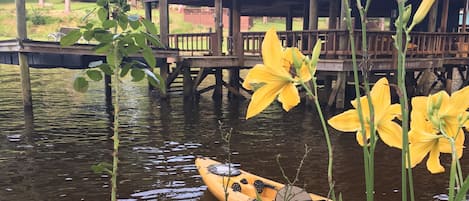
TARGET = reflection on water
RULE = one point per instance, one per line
(49, 157)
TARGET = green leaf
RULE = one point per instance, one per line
(87, 26)
(80, 84)
(102, 14)
(134, 24)
(101, 167)
(101, 3)
(103, 37)
(153, 39)
(125, 69)
(150, 26)
(71, 38)
(149, 58)
(140, 40)
(88, 35)
(461, 195)
(111, 58)
(137, 75)
(123, 21)
(103, 48)
(94, 75)
(107, 24)
(132, 48)
(106, 69)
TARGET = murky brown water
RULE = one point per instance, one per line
(50, 157)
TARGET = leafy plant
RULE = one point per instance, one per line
(37, 18)
(119, 36)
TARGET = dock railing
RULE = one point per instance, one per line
(336, 43)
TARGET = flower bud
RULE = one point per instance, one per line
(422, 11)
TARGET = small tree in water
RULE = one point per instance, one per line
(119, 35)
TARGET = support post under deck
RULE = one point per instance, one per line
(237, 48)
(164, 32)
(218, 91)
(22, 57)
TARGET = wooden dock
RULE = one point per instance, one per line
(193, 58)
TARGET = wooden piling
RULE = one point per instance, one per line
(313, 14)
(22, 57)
(218, 90)
(237, 48)
(187, 82)
(164, 39)
(432, 17)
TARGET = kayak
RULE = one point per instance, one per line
(243, 186)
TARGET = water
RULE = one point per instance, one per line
(50, 157)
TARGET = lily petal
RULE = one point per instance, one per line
(433, 162)
(289, 97)
(347, 121)
(261, 74)
(271, 49)
(418, 151)
(459, 101)
(381, 96)
(262, 98)
(391, 133)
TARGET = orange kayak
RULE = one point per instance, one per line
(243, 186)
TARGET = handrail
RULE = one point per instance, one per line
(193, 43)
(380, 43)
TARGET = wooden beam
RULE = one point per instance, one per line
(432, 17)
(219, 25)
(444, 16)
(188, 82)
(464, 16)
(289, 19)
(313, 14)
(22, 57)
(164, 22)
(148, 10)
(218, 90)
(334, 6)
(306, 15)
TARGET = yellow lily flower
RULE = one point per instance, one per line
(450, 110)
(426, 139)
(275, 76)
(384, 113)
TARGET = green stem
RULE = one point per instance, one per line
(326, 134)
(115, 84)
(406, 173)
(115, 159)
(366, 152)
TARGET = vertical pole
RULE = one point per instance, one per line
(333, 13)
(306, 15)
(188, 83)
(464, 16)
(449, 79)
(313, 14)
(164, 32)
(68, 7)
(289, 26)
(22, 57)
(444, 16)
(237, 46)
(148, 8)
(289, 20)
(218, 91)
(432, 17)
(219, 24)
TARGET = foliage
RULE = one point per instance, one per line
(118, 36)
(36, 17)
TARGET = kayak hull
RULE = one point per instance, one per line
(241, 187)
